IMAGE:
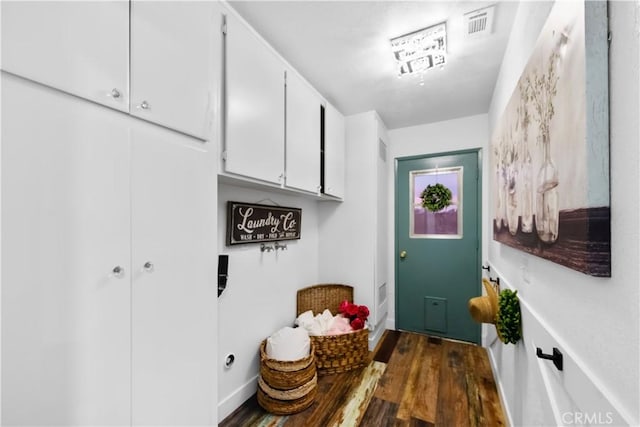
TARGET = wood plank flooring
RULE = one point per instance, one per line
(413, 380)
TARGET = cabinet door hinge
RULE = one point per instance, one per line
(224, 25)
(224, 155)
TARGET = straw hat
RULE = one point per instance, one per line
(484, 309)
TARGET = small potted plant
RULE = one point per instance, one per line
(509, 317)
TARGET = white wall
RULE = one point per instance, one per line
(261, 292)
(451, 135)
(594, 321)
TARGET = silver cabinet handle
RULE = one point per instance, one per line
(144, 105)
(118, 271)
(115, 93)
(148, 266)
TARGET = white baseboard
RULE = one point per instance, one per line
(391, 323)
(496, 376)
(232, 402)
(374, 336)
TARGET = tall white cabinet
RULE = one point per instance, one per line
(108, 282)
(359, 222)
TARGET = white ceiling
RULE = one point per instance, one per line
(342, 48)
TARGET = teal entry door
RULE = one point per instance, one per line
(438, 267)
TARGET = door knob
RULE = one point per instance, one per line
(403, 254)
(118, 271)
(115, 93)
(148, 267)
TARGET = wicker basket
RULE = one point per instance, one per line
(334, 353)
(286, 407)
(286, 375)
(286, 387)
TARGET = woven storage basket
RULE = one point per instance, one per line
(286, 375)
(334, 353)
(286, 407)
(286, 387)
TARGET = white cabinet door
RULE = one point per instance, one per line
(302, 164)
(334, 152)
(172, 63)
(65, 227)
(254, 105)
(75, 46)
(174, 296)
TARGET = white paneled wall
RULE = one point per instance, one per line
(595, 321)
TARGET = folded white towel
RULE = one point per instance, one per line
(321, 324)
(309, 323)
(324, 321)
(288, 344)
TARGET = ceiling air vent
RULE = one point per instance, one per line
(479, 22)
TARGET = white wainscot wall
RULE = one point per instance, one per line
(593, 321)
(261, 292)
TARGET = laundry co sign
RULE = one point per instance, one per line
(251, 223)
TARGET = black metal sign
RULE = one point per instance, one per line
(251, 223)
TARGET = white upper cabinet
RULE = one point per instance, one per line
(254, 105)
(83, 48)
(302, 148)
(334, 152)
(78, 47)
(172, 66)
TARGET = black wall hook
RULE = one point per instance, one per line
(496, 280)
(487, 267)
(556, 357)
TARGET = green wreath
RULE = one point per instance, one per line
(436, 197)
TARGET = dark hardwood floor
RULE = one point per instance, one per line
(413, 380)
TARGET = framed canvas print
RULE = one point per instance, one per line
(550, 147)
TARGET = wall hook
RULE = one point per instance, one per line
(487, 267)
(496, 280)
(556, 357)
(281, 246)
(267, 248)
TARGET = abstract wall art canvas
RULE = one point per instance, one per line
(550, 147)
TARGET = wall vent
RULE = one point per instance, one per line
(479, 22)
(382, 150)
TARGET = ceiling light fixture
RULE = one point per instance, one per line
(421, 50)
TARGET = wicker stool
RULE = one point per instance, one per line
(286, 387)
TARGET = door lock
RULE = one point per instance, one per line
(403, 254)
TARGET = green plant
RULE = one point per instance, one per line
(509, 318)
(436, 197)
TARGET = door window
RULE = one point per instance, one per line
(445, 223)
